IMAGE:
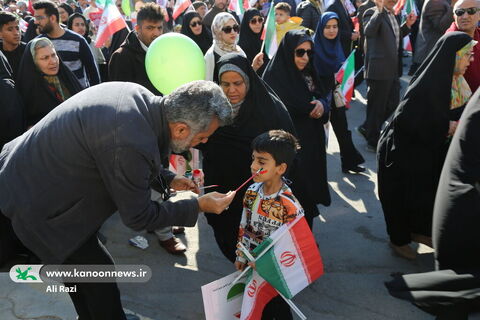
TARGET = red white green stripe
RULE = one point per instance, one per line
(269, 34)
(111, 22)
(180, 6)
(257, 294)
(239, 6)
(293, 262)
(346, 77)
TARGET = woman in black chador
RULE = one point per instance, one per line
(250, 33)
(291, 75)
(193, 28)
(43, 80)
(453, 291)
(413, 146)
(227, 155)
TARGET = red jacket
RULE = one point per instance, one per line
(472, 75)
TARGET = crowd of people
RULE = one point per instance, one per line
(49, 57)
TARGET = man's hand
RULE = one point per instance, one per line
(379, 4)
(257, 62)
(317, 111)
(182, 183)
(411, 18)
(215, 202)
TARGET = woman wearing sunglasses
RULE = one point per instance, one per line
(225, 36)
(193, 28)
(291, 75)
(329, 58)
(250, 32)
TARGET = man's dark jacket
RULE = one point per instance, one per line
(127, 63)
(98, 152)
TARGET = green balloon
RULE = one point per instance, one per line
(172, 60)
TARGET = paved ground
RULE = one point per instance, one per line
(352, 240)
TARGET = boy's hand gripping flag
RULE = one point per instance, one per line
(293, 262)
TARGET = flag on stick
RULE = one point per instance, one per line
(257, 294)
(239, 6)
(180, 6)
(346, 77)
(293, 262)
(269, 34)
(111, 22)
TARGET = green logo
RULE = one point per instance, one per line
(23, 275)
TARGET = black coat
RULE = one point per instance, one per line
(93, 155)
(128, 64)
(456, 218)
(11, 110)
(309, 14)
(288, 82)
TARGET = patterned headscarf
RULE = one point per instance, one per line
(218, 24)
(461, 91)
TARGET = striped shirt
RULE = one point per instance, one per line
(76, 54)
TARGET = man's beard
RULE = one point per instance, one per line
(46, 29)
(179, 146)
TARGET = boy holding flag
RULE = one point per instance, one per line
(268, 203)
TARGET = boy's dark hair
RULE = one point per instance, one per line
(6, 17)
(281, 145)
(284, 7)
(151, 12)
(50, 7)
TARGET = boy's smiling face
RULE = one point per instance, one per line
(265, 161)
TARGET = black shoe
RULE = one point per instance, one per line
(362, 131)
(354, 169)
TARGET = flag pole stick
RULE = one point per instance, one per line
(241, 275)
(293, 306)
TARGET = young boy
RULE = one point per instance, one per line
(269, 202)
(11, 46)
(283, 22)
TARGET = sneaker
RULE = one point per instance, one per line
(404, 251)
(178, 230)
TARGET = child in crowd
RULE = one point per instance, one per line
(269, 202)
(283, 22)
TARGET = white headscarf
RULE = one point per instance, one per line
(218, 24)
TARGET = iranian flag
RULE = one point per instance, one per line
(239, 6)
(257, 294)
(111, 22)
(346, 77)
(269, 34)
(180, 6)
(292, 260)
(407, 45)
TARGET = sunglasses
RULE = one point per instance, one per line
(195, 23)
(470, 11)
(301, 52)
(255, 20)
(229, 29)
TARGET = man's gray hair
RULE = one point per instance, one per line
(196, 103)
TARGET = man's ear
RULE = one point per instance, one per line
(137, 27)
(179, 130)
